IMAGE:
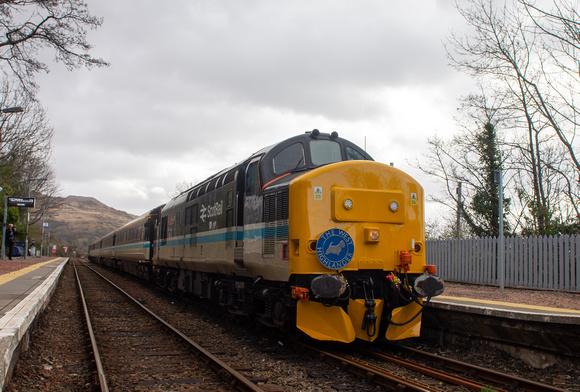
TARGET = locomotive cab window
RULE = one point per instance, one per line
(353, 155)
(290, 158)
(324, 152)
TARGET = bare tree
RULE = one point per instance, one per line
(470, 158)
(27, 26)
(25, 151)
(530, 57)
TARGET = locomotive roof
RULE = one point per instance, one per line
(270, 152)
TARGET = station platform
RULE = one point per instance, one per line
(535, 334)
(24, 293)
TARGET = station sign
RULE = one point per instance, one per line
(20, 202)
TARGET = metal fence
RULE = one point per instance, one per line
(534, 262)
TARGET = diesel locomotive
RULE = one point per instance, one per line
(310, 234)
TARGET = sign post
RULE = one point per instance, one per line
(13, 202)
(4, 228)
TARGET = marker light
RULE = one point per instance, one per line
(394, 206)
(418, 247)
(347, 203)
(372, 235)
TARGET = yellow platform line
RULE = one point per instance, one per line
(511, 304)
(16, 274)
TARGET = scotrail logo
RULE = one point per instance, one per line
(210, 211)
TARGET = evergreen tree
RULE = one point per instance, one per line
(482, 214)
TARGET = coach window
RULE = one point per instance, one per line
(290, 158)
(325, 151)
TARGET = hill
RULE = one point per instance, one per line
(81, 220)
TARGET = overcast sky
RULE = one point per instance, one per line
(196, 86)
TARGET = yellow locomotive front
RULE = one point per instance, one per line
(356, 252)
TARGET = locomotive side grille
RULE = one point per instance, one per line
(282, 216)
(275, 220)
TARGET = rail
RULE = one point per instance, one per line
(234, 379)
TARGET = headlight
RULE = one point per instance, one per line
(328, 286)
(347, 203)
(394, 206)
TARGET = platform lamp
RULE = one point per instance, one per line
(13, 109)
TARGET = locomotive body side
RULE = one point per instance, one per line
(217, 228)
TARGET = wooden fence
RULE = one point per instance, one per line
(535, 262)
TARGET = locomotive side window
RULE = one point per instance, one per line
(353, 155)
(163, 230)
(252, 180)
(191, 215)
(230, 176)
(325, 151)
(187, 215)
(290, 158)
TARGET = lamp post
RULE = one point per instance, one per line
(498, 178)
(28, 215)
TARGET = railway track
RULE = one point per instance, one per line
(134, 349)
(450, 370)
(447, 374)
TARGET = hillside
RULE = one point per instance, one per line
(81, 220)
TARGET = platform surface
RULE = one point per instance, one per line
(17, 285)
(24, 293)
(507, 309)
